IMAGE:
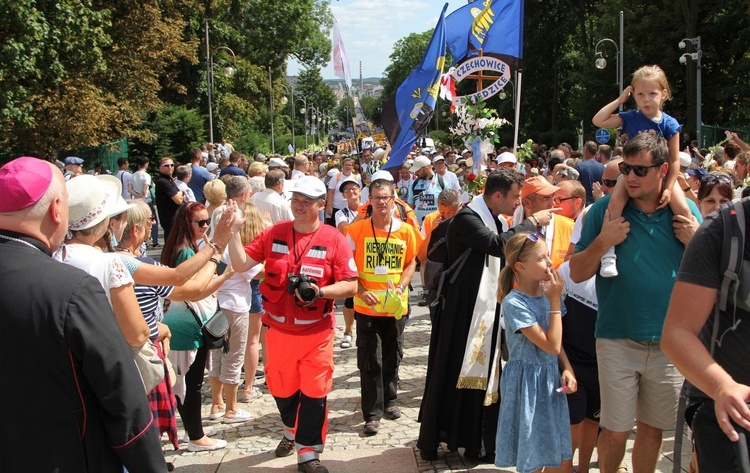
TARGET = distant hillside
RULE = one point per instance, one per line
(355, 81)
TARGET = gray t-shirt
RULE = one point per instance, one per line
(701, 265)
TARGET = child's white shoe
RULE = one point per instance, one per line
(609, 266)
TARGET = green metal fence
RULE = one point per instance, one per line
(711, 135)
(106, 155)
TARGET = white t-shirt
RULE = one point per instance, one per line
(236, 294)
(450, 178)
(272, 202)
(108, 268)
(140, 179)
(189, 195)
(345, 215)
(125, 178)
(339, 201)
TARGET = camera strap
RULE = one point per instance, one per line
(296, 259)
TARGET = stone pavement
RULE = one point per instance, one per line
(392, 450)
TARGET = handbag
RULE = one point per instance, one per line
(150, 366)
(215, 330)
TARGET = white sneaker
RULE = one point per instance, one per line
(210, 432)
(609, 267)
(346, 342)
(216, 415)
(251, 395)
(207, 448)
(239, 416)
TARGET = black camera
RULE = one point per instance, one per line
(303, 285)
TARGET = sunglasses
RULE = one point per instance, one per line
(203, 223)
(711, 178)
(609, 182)
(639, 171)
(531, 237)
(168, 165)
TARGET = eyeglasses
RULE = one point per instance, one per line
(168, 165)
(350, 189)
(639, 171)
(558, 200)
(381, 199)
(609, 182)
(203, 223)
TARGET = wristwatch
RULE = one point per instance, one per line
(401, 286)
(320, 293)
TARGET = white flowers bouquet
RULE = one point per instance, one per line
(475, 120)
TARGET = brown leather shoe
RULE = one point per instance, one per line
(313, 466)
(285, 447)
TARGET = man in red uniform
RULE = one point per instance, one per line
(304, 259)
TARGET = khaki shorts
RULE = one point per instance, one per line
(637, 381)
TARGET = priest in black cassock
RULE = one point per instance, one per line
(460, 403)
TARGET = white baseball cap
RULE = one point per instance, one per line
(277, 163)
(310, 186)
(506, 157)
(382, 174)
(419, 163)
(685, 159)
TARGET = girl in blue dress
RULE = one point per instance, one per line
(533, 430)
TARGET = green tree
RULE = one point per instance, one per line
(79, 73)
(407, 54)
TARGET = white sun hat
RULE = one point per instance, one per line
(91, 199)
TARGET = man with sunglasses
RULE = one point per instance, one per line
(637, 380)
(168, 196)
(609, 180)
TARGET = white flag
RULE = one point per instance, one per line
(340, 61)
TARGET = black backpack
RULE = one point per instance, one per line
(441, 183)
(732, 252)
(438, 267)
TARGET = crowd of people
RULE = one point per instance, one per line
(548, 329)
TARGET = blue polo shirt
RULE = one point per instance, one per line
(634, 303)
(232, 170)
(199, 179)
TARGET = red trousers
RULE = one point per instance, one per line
(299, 373)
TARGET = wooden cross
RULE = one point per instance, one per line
(481, 76)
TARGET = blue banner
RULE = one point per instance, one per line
(494, 26)
(407, 113)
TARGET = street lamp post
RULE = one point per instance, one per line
(696, 56)
(228, 72)
(303, 111)
(290, 89)
(314, 116)
(503, 94)
(601, 63)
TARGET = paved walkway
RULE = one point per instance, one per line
(392, 450)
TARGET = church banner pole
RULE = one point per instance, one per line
(517, 98)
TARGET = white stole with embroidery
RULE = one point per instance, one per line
(475, 366)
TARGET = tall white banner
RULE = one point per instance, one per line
(340, 60)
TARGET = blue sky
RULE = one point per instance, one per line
(369, 28)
